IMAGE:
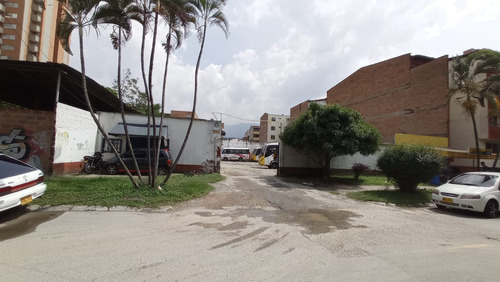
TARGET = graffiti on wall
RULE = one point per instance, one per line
(19, 145)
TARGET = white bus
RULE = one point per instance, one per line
(235, 154)
(269, 155)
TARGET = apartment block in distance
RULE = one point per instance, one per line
(253, 133)
(28, 31)
(271, 127)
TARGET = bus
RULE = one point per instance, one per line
(256, 154)
(270, 154)
(235, 154)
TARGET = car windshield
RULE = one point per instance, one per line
(10, 167)
(483, 180)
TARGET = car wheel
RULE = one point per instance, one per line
(491, 209)
(87, 168)
(112, 169)
(240, 159)
(162, 170)
(441, 207)
(274, 165)
(224, 159)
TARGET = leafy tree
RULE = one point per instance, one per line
(79, 15)
(475, 81)
(324, 132)
(132, 96)
(407, 165)
(208, 12)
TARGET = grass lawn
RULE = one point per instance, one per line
(389, 196)
(118, 191)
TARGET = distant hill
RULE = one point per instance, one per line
(237, 130)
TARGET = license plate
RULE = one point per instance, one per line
(448, 200)
(25, 200)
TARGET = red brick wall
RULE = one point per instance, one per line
(28, 135)
(397, 98)
(296, 111)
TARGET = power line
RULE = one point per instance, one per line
(244, 119)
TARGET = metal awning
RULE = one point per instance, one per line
(135, 129)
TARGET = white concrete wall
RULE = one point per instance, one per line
(202, 144)
(239, 143)
(289, 157)
(75, 134)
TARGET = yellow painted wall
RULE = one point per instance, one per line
(433, 141)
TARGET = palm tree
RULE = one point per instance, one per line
(120, 13)
(178, 15)
(80, 15)
(471, 84)
(208, 12)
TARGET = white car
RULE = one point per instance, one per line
(474, 191)
(20, 183)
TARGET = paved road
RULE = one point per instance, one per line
(254, 227)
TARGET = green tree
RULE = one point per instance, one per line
(407, 165)
(132, 95)
(208, 12)
(472, 83)
(79, 15)
(324, 132)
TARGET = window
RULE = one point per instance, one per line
(273, 128)
(116, 142)
(273, 119)
(12, 5)
(10, 26)
(8, 47)
(11, 16)
(273, 137)
(9, 36)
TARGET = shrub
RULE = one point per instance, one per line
(358, 168)
(407, 165)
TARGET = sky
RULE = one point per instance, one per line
(280, 53)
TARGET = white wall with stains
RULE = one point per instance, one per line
(75, 134)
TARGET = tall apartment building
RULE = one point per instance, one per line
(28, 31)
(271, 127)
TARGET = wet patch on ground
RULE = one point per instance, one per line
(19, 222)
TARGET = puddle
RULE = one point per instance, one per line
(18, 222)
(314, 221)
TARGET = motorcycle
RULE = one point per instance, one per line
(90, 163)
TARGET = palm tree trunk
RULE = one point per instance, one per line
(476, 139)
(194, 105)
(120, 96)
(94, 117)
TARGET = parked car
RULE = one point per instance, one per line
(474, 191)
(20, 183)
(113, 166)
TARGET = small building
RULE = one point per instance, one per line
(45, 121)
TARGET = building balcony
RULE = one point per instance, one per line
(35, 28)
(35, 38)
(31, 58)
(2, 19)
(1, 29)
(2, 7)
(1, 41)
(36, 18)
(33, 48)
(38, 9)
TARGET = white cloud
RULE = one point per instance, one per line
(280, 54)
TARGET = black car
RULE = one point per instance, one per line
(164, 162)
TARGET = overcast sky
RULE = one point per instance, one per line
(280, 52)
